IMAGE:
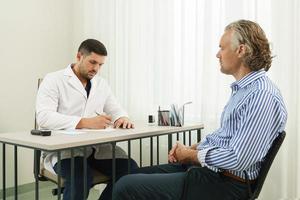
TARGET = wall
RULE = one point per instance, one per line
(153, 44)
(35, 38)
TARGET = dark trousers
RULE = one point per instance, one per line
(104, 166)
(168, 182)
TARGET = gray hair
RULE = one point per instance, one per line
(258, 53)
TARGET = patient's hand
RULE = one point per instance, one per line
(172, 156)
(186, 155)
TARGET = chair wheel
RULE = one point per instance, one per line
(55, 191)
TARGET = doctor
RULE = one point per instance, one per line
(74, 98)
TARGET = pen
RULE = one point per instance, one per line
(160, 120)
(103, 113)
(97, 113)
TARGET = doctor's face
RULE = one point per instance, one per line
(89, 65)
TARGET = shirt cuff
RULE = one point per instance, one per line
(202, 155)
(75, 122)
(119, 115)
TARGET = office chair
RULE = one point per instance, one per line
(265, 166)
(254, 188)
(45, 175)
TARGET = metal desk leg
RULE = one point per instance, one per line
(58, 175)
(190, 138)
(72, 175)
(151, 151)
(169, 142)
(113, 163)
(141, 153)
(183, 135)
(129, 155)
(198, 135)
(36, 173)
(16, 171)
(157, 150)
(3, 173)
(84, 173)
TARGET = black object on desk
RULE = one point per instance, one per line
(40, 132)
(151, 119)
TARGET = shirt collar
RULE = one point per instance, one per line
(246, 80)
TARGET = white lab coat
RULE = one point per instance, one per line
(61, 103)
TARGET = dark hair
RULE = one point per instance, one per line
(91, 45)
(258, 53)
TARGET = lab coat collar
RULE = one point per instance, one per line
(76, 83)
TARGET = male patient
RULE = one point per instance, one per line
(74, 98)
(251, 120)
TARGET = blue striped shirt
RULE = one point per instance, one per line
(250, 121)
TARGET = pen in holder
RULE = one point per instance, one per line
(177, 114)
(163, 117)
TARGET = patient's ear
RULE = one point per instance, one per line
(241, 50)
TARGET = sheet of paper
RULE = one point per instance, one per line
(82, 131)
(109, 129)
(70, 132)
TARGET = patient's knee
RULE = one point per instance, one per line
(124, 188)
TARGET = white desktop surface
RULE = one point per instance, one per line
(59, 140)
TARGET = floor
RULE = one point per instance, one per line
(46, 193)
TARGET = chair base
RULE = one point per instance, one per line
(55, 191)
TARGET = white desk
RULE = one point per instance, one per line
(59, 141)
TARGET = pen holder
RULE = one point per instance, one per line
(163, 118)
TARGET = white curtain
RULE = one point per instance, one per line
(163, 51)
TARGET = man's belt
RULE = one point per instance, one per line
(237, 178)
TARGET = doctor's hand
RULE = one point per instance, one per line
(98, 122)
(123, 122)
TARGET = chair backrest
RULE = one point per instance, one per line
(266, 165)
(35, 123)
(37, 153)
